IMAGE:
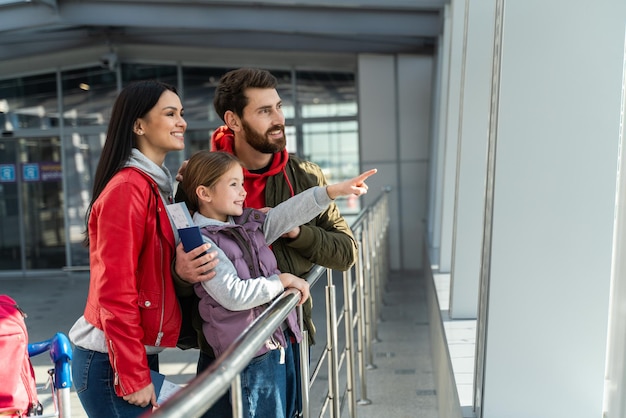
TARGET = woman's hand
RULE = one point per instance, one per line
(143, 397)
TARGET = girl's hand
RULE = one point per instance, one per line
(355, 186)
(290, 281)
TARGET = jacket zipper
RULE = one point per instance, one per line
(116, 379)
(160, 333)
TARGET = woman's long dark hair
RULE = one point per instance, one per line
(133, 102)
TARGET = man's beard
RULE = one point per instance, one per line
(261, 143)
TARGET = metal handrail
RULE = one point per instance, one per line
(206, 388)
(370, 231)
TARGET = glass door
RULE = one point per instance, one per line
(32, 235)
(10, 220)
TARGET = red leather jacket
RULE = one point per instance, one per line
(131, 293)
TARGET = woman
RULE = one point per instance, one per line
(131, 312)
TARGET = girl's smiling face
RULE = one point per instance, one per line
(225, 197)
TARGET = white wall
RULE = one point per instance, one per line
(451, 134)
(438, 142)
(615, 401)
(555, 181)
(472, 160)
(394, 111)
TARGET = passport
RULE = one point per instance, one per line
(190, 237)
(189, 233)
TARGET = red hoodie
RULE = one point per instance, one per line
(223, 139)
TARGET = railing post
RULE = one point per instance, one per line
(367, 296)
(349, 327)
(373, 277)
(333, 355)
(304, 367)
(236, 400)
(361, 326)
(377, 265)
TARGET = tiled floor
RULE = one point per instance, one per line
(402, 385)
(461, 337)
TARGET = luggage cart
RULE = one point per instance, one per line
(59, 380)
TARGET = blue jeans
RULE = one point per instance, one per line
(92, 376)
(269, 387)
(221, 408)
(297, 395)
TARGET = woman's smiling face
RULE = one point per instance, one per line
(162, 129)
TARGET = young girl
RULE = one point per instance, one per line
(247, 277)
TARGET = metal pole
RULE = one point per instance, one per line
(367, 289)
(236, 400)
(373, 279)
(349, 326)
(360, 306)
(333, 364)
(304, 368)
(63, 402)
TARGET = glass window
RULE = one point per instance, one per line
(82, 153)
(199, 89)
(285, 91)
(88, 95)
(326, 94)
(334, 146)
(10, 245)
(29, 102)
(135, 72)
(42, 202)
(329, 127)
(196, 140)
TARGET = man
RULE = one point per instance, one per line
(247, 101)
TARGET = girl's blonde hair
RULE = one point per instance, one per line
(204, 168)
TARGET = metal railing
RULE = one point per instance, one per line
(362, 286)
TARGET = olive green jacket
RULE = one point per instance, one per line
(327, 240)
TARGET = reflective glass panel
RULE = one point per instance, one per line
(29, 102)
(334, 146)
(198, 91)
(285, 91)
(82, 153)
(41, 177)
(88, 95)
(10, 220)
(326, 94)
(136, 72)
